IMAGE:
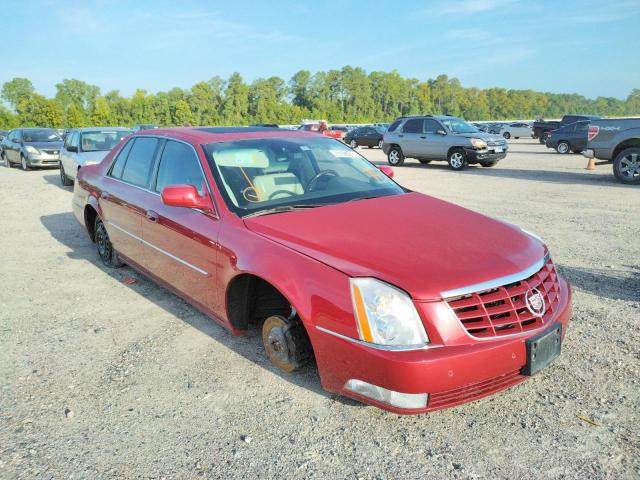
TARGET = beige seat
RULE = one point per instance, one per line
(277, 185)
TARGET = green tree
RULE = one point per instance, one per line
(72, 91)
(74, 117)
(181, 113)
(235, 105)
(101, 113)
(17, 90)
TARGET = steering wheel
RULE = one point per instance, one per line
(278, 192)
(311, 185)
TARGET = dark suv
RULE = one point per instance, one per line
(441, 138)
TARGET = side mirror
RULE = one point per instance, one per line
(387, 170)
(72, 148)
(441, 132)
(185, 196)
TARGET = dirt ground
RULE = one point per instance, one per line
(99, 379)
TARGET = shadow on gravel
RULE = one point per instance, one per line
(65, 229)
(605, 282)
(55, 180)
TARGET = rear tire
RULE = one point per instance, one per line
(23, 163)
(353, 144)
(380, 144)
(64, 179)
(457, 159)
(107, 253)
(543, 137)
(395, 157)
(626, 166)
(563, 147)
(506, 135)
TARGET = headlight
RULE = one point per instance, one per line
(31, 149)
(386, 315)
(478, 144)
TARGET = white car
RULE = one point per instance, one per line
(516, 130)
(85, 146)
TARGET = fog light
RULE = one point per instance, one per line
(397, 399)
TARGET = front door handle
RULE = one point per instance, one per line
(423, 137)
(152, 216)
(400, 135)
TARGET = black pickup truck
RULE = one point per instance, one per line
(542, 128)
(617, 140)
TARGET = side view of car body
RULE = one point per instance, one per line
(516, 130)
(365, 136)
(86, 146)
(442, 138)
(616, 140)
(144, 126)
(570, 138)
(272, 228)
(32, 147)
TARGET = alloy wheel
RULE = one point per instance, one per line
(456, 160)
(394, 157)
(563, 147)
(23, 163)
(630, 166)
(353, 144)
(380, 144)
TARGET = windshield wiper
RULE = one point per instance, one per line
(282, 209)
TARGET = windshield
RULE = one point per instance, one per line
(261, 174)
(101, 141)
(456, 125)
(41, 135)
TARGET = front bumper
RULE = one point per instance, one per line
(43, 160)
(484, 156)
(450, 374)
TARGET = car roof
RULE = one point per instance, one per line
(94, 129)
(204, 135)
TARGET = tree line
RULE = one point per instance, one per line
(349, 95)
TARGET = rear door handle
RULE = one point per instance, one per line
(152, 216)
(400, 135)
(422, 137)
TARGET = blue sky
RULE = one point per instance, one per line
(588, 47)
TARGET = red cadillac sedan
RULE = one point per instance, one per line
(404, 301)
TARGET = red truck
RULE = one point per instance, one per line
(322, 128)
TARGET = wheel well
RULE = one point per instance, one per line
(632, 142)
(451, 149)
(90, 215)
(250, 299)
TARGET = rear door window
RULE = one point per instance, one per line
(137, 169)
(179, 165)
(413, 126)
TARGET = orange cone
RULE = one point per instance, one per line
(592, 164)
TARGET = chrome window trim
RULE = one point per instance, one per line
(497, 282)
(159, 137)
(155, 247)
(388, 348)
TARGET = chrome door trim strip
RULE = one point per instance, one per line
(497, 282)
(388, 348)
(155, 247)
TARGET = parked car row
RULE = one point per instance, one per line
(542, 129)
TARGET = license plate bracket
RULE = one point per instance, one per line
(542, 350)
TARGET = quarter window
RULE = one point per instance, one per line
(139, 162)
(179, 166)
(394, 125)
(118, 165)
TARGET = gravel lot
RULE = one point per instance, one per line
(99, 379)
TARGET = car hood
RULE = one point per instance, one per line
(91, 157)
(487, 137)
(44, 145)
(418, 243)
